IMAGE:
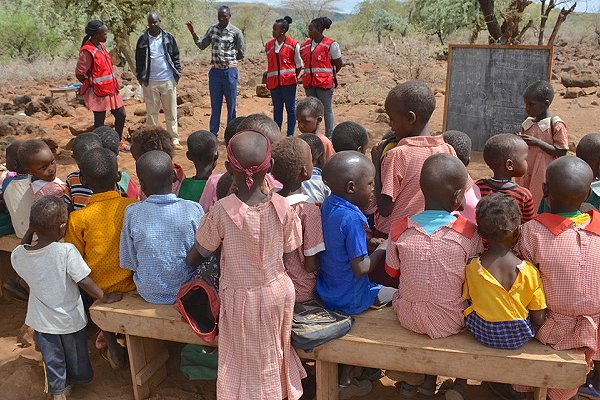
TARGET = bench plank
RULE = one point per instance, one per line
(147, 362)
(9, 243)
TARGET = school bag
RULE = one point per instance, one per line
(199, 362)
(198, 303)
(314, 325)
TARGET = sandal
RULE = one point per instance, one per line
(114, 364)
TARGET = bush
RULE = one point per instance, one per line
(21, 35)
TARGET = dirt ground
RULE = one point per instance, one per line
(21, 374)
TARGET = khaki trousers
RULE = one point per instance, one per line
(156, 93)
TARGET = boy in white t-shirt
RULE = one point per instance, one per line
(55, 311)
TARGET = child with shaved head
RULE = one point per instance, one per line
(254, 229)
(564, 244)
(159, 232)
(429, 299)
(588, 149)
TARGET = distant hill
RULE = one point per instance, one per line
(335, 16)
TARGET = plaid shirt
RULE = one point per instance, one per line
(227, 45)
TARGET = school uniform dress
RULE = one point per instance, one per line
(315, 188)
(472, 197)
(520, 194)
(157, 236)
(96, 232)
(498, 317)
(565, 248)
(18, 197)
(428, 252)
(327, 146)
(551, 130)
(41, 188)
(312, 244)
(256, 358)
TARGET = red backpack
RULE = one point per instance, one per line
(198, 303)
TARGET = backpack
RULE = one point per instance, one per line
(313, 325)
(198, 303)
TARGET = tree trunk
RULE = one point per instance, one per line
(487, 8)
(122, 41)
(525, 29)
(561, 18)
(545, 12)
(379, 37)
(439, 35)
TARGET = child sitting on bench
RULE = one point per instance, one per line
(203, 151)
(37, 158)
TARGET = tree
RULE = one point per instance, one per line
(380, 17)
(442, 17)
(308, 10)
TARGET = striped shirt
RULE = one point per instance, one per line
(522, 195)
(77, 195)
(227, 45)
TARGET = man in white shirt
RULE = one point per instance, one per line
(158, 70)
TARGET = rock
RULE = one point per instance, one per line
(573, 93)
(80, 127)
(382, 118)
(140, 112)
(185, 110)
(590, 91)
(373, 101)
(190, 96)
(580, 81)
(128, 76)
(262, 91)
(594, 103)
(51, 143)
(7, 130)
(380, 110)
(21, 100)
(186, 123)
(60, 107)
(41, 115)
(568, 68)
(128, 92)
(35, 106)
(8, 108)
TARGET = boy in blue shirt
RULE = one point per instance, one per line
(159, 232)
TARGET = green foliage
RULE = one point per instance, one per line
(23, 35)
(379, 16)
(442, 17)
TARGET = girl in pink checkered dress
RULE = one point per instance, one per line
(254, 229)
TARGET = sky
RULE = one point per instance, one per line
(348, 6)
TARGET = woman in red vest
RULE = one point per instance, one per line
(322, 60)
(284, 65)
(100, 89)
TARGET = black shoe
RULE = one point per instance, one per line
(505, 391)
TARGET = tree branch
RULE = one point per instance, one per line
(561, 18)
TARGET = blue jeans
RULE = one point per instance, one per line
(326, 97)
(222, 82)
(66, 359)
(285, 95)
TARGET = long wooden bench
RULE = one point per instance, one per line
(376, 340)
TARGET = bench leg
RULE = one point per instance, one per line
(147, 360)
(327, 381)
(540, 393)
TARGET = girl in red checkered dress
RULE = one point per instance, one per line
(254, 229)
(564, 244)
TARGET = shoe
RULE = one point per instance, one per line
(371, 374)
(588, 391)
(356, 388)
(406, 391)
(505, 391)
(124, 146)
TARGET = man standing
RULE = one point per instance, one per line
(227, 48)
(158, 71)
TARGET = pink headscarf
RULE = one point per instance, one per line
(253, 170)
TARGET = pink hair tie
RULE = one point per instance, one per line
(253, 170)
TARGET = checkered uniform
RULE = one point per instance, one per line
(227, 45)
(507, 335)
(569, 262)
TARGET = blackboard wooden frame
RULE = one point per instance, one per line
(451, 47)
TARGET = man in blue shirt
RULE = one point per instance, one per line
(159, 232)
(343, 283)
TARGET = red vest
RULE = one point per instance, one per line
(102, 78)
(318, 70)
(282, 66)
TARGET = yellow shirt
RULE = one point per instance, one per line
(493, 303)
(96, 232)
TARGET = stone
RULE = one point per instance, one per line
(382, 118)
(7, 130)
(190, 96)
(380, 110)
(185, 110)
(21, 125)
(140, 112)
(573, 93)
(21, 100)
(187, 123)
(128, 76)
(590, 91)
(580, 81)
(262, 91)
(62, 108)
(35, 106)
(80, 127)
(594, 103)
(51, 143)
(41, 115)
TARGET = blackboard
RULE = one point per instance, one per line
(485, 85)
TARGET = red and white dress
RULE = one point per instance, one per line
(566, 252)
(312, 244)
(256, 358)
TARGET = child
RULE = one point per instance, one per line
(545, 135)
(292, 165)
(309, 114)
(37, 158)
(53, 270)
(110, 140)
(232, 128)
(96, 231)
(506, 293)
(159, 232)
(77, 195)
(397, 192)
(254, 231)
(588, 149)
(203, 151)
(16, 191)
(12, 163)
(564, 244)
(314, 188)
(350, 136)
(461, 143)
(155, 138)
(506, 155)
(428, 252)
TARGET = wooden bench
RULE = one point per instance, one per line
(376, 340)
(9, 242)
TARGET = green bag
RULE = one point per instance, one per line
(199, 362)
(6, 227)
